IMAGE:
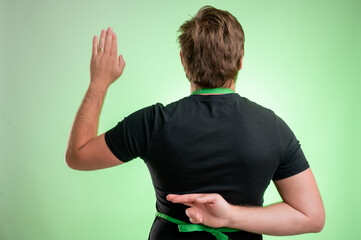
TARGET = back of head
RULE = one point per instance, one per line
(212, 45)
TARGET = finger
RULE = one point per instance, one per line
(108, 41)
(95, 46)
(186, 198)
(102, 39)
(206, 198)
(114, 51)
(171, 196)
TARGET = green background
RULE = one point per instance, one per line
(302, 60)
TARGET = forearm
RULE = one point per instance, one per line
(277, 219)
(85, 126)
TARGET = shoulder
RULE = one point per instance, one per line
(258, 111)
(255, 105)
(150, 110)
(152, 115)
(271, 117)
(167, 110)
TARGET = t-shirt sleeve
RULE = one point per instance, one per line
(292, 160)
(131, 137)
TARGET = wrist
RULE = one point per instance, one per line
(233, 217)
(98, 86)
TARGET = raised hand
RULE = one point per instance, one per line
(209, 209)
(105, 65)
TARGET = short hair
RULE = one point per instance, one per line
(212, 45)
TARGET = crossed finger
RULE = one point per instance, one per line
(186, 198)
(191, 199)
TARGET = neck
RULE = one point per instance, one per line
(194, 87)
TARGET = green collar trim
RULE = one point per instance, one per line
(185, 227)
(213, 90)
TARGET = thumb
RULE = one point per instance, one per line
(121, 60)
(194, 216)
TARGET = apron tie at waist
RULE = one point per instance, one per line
(186, 227)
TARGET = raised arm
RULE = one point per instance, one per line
(300, 212)
(86, 150)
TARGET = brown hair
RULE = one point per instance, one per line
(212, 44)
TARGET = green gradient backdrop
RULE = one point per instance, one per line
(301, 60)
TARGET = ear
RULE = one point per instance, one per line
(241, 63)
(181, 56)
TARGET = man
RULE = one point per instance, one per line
(212, 154)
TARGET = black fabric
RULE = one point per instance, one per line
(222, 144)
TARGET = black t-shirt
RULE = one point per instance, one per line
(222, 144)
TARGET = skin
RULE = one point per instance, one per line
(86, 150)
(301, 210)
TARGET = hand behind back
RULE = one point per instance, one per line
(208, 209)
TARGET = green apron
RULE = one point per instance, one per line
(188, 227)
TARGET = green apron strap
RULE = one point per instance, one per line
(185, 227)
(213, 90)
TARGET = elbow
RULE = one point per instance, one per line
(71, 160)
(318, 225)
(318, 222)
